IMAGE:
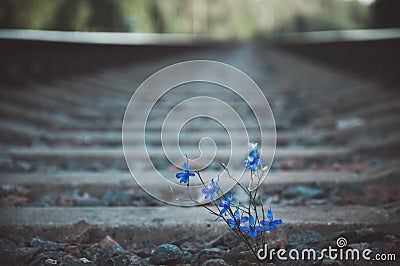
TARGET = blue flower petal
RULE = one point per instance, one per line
(184, 180)
(244, 219)
(270, 215)
(244, 229)
(251, 220)
(232, 223)
(259, 228)
(180, 174)
(228, 197)
(237, 214)
(222, 211)
(253, 234)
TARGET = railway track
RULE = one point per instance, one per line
(334, 132)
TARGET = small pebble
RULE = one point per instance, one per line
(166, 253)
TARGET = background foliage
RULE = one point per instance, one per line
(218, 18)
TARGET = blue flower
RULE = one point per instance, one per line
(225, 205)
(184, 174)
(252, 161)
(270, 223)
(211, 190)
(252, 228)
(235, 222)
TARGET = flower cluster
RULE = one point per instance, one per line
(251, 229)
(243, 220)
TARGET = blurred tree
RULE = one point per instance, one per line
(106, 15)
(72, 15)
(301, 23)
(29, 14)
(5, 14)
(99, 15)
(155, 12)
(386, 13)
